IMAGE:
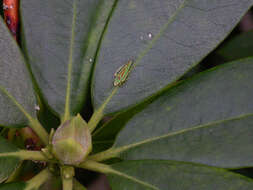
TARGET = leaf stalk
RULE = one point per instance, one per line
(25, 155)
(38, 180)
(99, 113)
(67, 174)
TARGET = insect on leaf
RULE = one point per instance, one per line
(122, 73)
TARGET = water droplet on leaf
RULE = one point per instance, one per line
(150, 35)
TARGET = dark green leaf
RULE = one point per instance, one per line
(165, 175)
(226, 143)
(77, 185)
(99, 146)
(207, 119)
(13, 186)
(105, 135)
(238, 47)
(8, 165)
(164, 39)
(61, 39)
(17, 98)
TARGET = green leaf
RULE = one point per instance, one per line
(207, 119)
(77, 185)
(238, 47)
(13, 186)
(104, 137)
(61, 39)
(99, 146)
(37, 181)
(164, 39)
(17, 98)
(8, 164)
(163, 175)
(225, 144)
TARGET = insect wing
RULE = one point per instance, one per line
(122, 74)
(118, 70)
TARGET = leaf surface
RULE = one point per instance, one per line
(13, 186)
(165, 175)
(61, 41)
(8, 164)
(17, 100)
(207, 119)
(164, 39)
(104, 137)
(238, 47)
(77, 185)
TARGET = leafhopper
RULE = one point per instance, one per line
(120, 76)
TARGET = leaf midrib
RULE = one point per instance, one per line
(123, 148)
(161, 32)
(102, 168)
(70, 64)
(113, 171)
(15, 102)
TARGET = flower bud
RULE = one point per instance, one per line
(72, 141)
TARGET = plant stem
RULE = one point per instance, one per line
(39, 130)
(67, 184)
(26, 155)
(102, 168)
(98, 114)
(67, 174)
(95, 166)
(38, 180)
(105, 155)
(77, 185)
(11, 134)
